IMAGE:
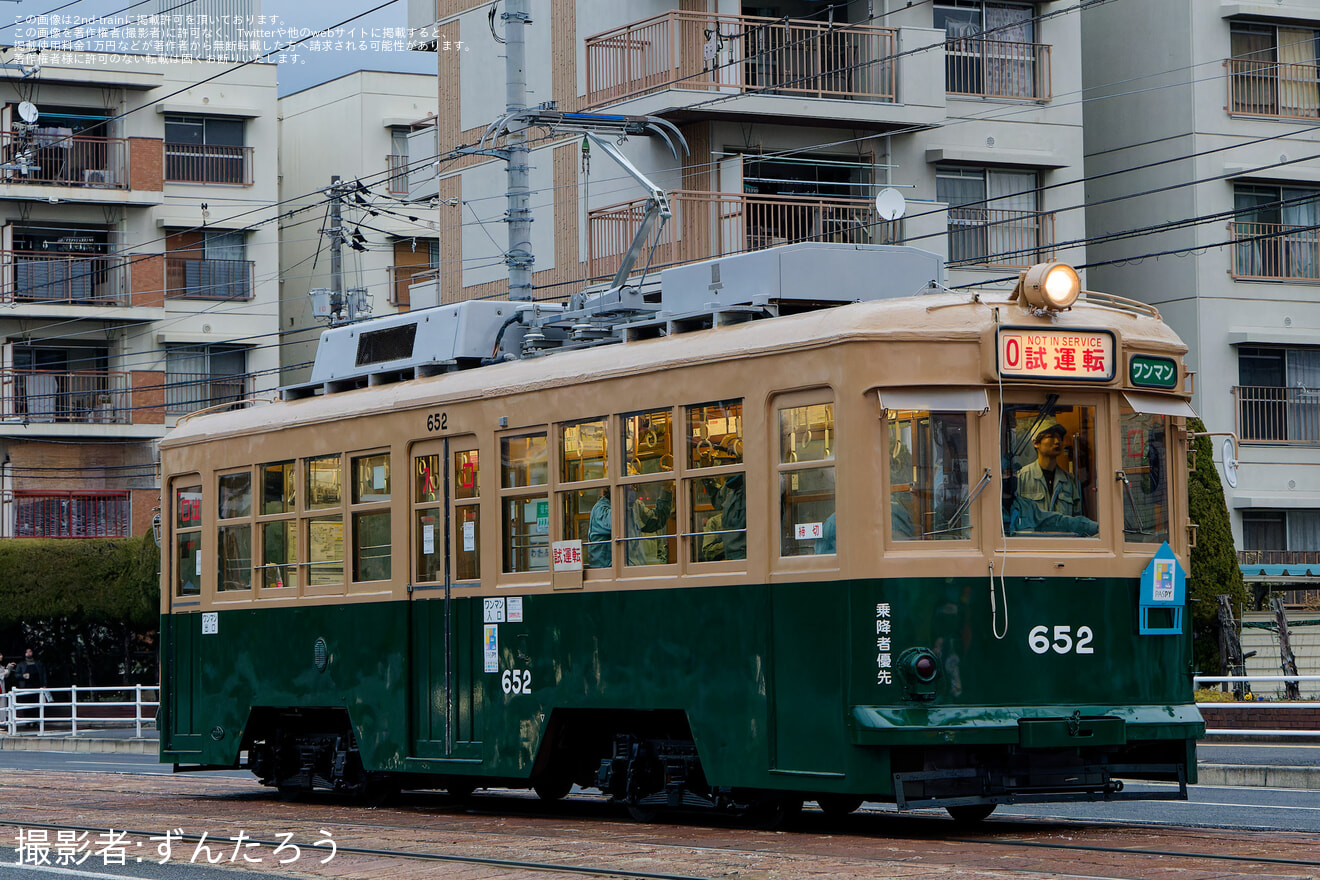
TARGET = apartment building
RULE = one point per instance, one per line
(377, 129)
(137, 279)
(1202, 128)
(796, 114)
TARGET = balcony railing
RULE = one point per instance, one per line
(991, 237)
(189, 392)
(707, 52)
(710, 224)
(51, 156)
(1275, 252)
(398, 170)
(208, 163)
(72, 515)
(1279, 557)
(54, 277)
(998, 69)
(208, 279)
(1272, 88)
(403, 277)
(45, 396)
(1274, 414)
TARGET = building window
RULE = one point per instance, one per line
(206, 149)
(991, 50)
(57, 384)
(1279, 395)
(397, 161)
(1275, 232)
(415, 260)
(994, 216)
(71, 515)
(1273, 536)
(62, 264)
(202, 376)
(1273, 72)
(211, 264)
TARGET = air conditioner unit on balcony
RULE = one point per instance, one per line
(101, 176)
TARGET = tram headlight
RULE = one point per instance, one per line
(1049, 286)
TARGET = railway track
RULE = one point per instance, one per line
(509, 836)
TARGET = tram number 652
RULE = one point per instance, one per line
(516, 681)
(437, 421)
(1039, 640)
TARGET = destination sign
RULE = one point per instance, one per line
(1148, 371)
(1037, 353)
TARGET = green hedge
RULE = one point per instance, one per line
(113, 580)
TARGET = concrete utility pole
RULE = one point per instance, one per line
(519, 257)
(336, 245)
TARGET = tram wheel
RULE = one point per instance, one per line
(836, 806)
(378, 792)
(644, 815)
(553, 788)
(460, 791)
(970, 813)
(773, 813)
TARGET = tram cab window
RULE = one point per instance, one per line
(524, 463)
(717, 491)
(324, 533)
(188, 540)
(371, 517)
(279, 537)
(1145, 466)
(234, 533)
(647, 508)
(806, 484)
(928, 486)
(586, 514)
(467, 515)
(1049, 471)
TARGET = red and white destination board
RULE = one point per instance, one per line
(1056, 354)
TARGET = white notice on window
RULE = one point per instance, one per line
(428, 539)
(378, 477)
(210, 623)
(810, 531)
(199, 563)
(469, 537)
(513, 607)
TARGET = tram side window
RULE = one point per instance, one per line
(524, 463)
(806, 487)
(647, 508)
(234, 533)
(324, 532)
(717, 491)
(1145, 467)
(428, 518)
(1049, 470)
(371, 517)
(585, 512)
(279, 537)
(467, 515)
(928, 487)
(188, 540)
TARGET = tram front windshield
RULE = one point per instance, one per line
(1048, 461)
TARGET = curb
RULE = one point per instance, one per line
(99, 745)
(1302, 778)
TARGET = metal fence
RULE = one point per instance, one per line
(73, 710)
(1245, 705)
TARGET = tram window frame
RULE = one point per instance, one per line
(368, 502)
(572, 495)
(187, 522)
(325, 576)
(286, 518)
(920, 539)
(698, 478)
(1132, 491)
(823, 545)
(646, 479)
(1069, 404)
(235, 521)
(516, 494)
(462, 505)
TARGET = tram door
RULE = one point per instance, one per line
(445, 623)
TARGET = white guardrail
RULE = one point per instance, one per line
(65, 711)
(1243, 705)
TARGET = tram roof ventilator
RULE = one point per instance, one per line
(784, 280)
